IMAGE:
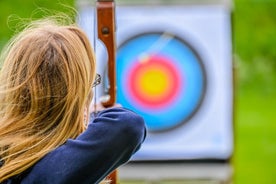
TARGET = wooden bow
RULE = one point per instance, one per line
(106, 33)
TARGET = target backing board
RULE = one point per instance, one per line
(174, 67)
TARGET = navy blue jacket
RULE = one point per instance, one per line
(109, 141)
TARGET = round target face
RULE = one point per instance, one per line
(160, 77)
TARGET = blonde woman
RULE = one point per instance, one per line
(45, 89)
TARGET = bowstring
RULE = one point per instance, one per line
(95, 49)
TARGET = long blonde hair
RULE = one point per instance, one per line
(45, 86)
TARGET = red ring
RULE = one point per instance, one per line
(158, 64)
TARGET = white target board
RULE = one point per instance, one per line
(174, 67)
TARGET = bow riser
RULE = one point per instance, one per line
(106, 33)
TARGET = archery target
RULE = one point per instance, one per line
(174, 67)
(166, 79)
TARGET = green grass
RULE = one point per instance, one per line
(255, 154)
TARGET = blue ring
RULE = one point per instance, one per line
(191, 70)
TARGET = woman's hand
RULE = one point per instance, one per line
(94, 109)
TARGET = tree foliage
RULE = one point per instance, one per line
(255, 41)
(12, 11)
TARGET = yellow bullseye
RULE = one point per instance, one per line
(154, 82)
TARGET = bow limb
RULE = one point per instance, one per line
(106, 33)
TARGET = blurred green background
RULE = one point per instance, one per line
(254, 55)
